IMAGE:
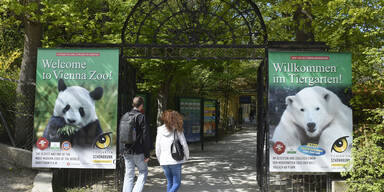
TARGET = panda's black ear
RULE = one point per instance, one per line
(61, 85)
(289, 100)
(97, 93)
(326, 97)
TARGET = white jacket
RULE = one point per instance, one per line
(164, 140)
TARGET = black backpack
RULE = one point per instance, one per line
(177, 149)
(128, 128)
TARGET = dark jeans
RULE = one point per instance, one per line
(173, 174)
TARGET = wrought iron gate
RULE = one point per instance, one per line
(191, 30)
(186, 30)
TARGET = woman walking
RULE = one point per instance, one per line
(166, 134)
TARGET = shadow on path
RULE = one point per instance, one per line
(226, 166)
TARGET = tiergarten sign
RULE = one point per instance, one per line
(310, 121)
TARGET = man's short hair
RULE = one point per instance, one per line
(137, 101)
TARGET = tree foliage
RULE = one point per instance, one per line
(354, 26)
(90, 21)
(49, 24)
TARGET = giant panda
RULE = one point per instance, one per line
(74, 117)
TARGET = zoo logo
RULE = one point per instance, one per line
(55, 146)
(340, 145)
(66, 145)
(42, 143)
(103, 141)
(279, 147)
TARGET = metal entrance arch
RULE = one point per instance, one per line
(199, 29)
(186, 30)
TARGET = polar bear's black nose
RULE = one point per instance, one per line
(311, 127)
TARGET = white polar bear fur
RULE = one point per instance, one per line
(316, 105)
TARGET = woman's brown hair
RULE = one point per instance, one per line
(172, 120)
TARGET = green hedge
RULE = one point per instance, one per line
(7, 103)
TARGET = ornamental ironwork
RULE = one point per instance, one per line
(194, 29)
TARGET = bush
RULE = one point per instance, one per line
(367, 172)
(8, 69)
(7, 101)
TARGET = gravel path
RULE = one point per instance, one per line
(16, 180)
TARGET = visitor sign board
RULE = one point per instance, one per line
(210, 117)
(190, 108)
(75, 117)
(310, 120)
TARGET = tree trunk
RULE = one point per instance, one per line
(161, 106)
(25, 88)
(127, 86)
(303, 24)
(162, 99)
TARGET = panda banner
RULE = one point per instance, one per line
(75, 117)
(309, 117)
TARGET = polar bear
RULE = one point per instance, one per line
(311, 116)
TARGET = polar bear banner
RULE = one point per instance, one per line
(314, 115)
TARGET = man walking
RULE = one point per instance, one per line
(137, 154)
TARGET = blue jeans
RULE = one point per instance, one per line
(130, 162)
(173, 175)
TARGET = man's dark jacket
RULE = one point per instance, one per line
(143, 140)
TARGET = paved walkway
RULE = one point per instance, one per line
(16, 180)
(226, 166)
